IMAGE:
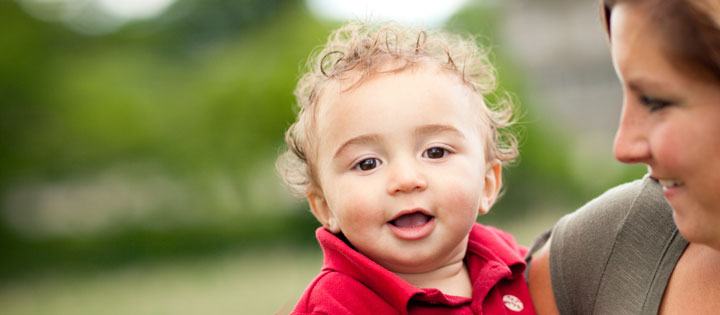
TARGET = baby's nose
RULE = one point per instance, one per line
(405, 177)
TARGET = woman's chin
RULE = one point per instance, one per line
(696, 230)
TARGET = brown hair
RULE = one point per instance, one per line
(690, 30)
(357, 51)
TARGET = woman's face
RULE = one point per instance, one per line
(670, 121)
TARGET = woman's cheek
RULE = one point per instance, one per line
(671, 148)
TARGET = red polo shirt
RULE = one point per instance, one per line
(351, 283)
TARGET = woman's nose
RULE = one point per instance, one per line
(405, 177)
(631, 140)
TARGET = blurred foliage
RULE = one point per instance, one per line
(179, 117)
(158, 140)
(543, 177)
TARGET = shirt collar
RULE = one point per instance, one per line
(493, 244)
(339, 256)
(492, 255)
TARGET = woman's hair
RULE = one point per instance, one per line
(357, 51)
(690, 31)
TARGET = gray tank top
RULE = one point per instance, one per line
(615, 254)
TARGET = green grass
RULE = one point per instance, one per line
(253, 281)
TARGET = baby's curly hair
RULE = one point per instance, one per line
(357, 51)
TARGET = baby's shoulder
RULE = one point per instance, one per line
(333, 292)
(496, 240)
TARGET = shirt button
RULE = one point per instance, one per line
(513, 303)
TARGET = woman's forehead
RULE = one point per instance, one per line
(655, 28)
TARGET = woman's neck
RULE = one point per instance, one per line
(694, 284)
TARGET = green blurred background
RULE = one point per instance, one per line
(137, 154)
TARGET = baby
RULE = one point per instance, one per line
(397, 153)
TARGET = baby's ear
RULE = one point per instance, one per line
(493, 183)
(321, 211)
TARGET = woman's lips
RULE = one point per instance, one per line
(412, 225)
(670, 187)
(669, 182)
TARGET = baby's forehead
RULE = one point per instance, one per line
(352, 80)
(343, 96)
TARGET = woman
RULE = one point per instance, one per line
(622, 253)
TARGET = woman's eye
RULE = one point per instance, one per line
(654, 103)
(435, 153)
(367, 164)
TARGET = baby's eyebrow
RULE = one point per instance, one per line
(421, 131)
(359, 140)
(437, 128)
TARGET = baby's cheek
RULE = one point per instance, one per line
(465, 200)
(355, 204)
(358, 210)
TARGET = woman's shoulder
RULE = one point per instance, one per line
(601, 218)
(618, 198)
(587, 235)
(615, 224)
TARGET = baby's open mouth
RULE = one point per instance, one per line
(411, 220)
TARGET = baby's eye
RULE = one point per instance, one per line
(367, 164)
(654, 103)
(435, 153)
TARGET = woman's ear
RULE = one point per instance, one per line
(493, 183)
(321, 211)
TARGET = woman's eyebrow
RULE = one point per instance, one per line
(640, 84)
(359, 140)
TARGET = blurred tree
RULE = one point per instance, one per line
(158, 140)
(166, 119)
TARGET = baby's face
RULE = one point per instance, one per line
(401, 164)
